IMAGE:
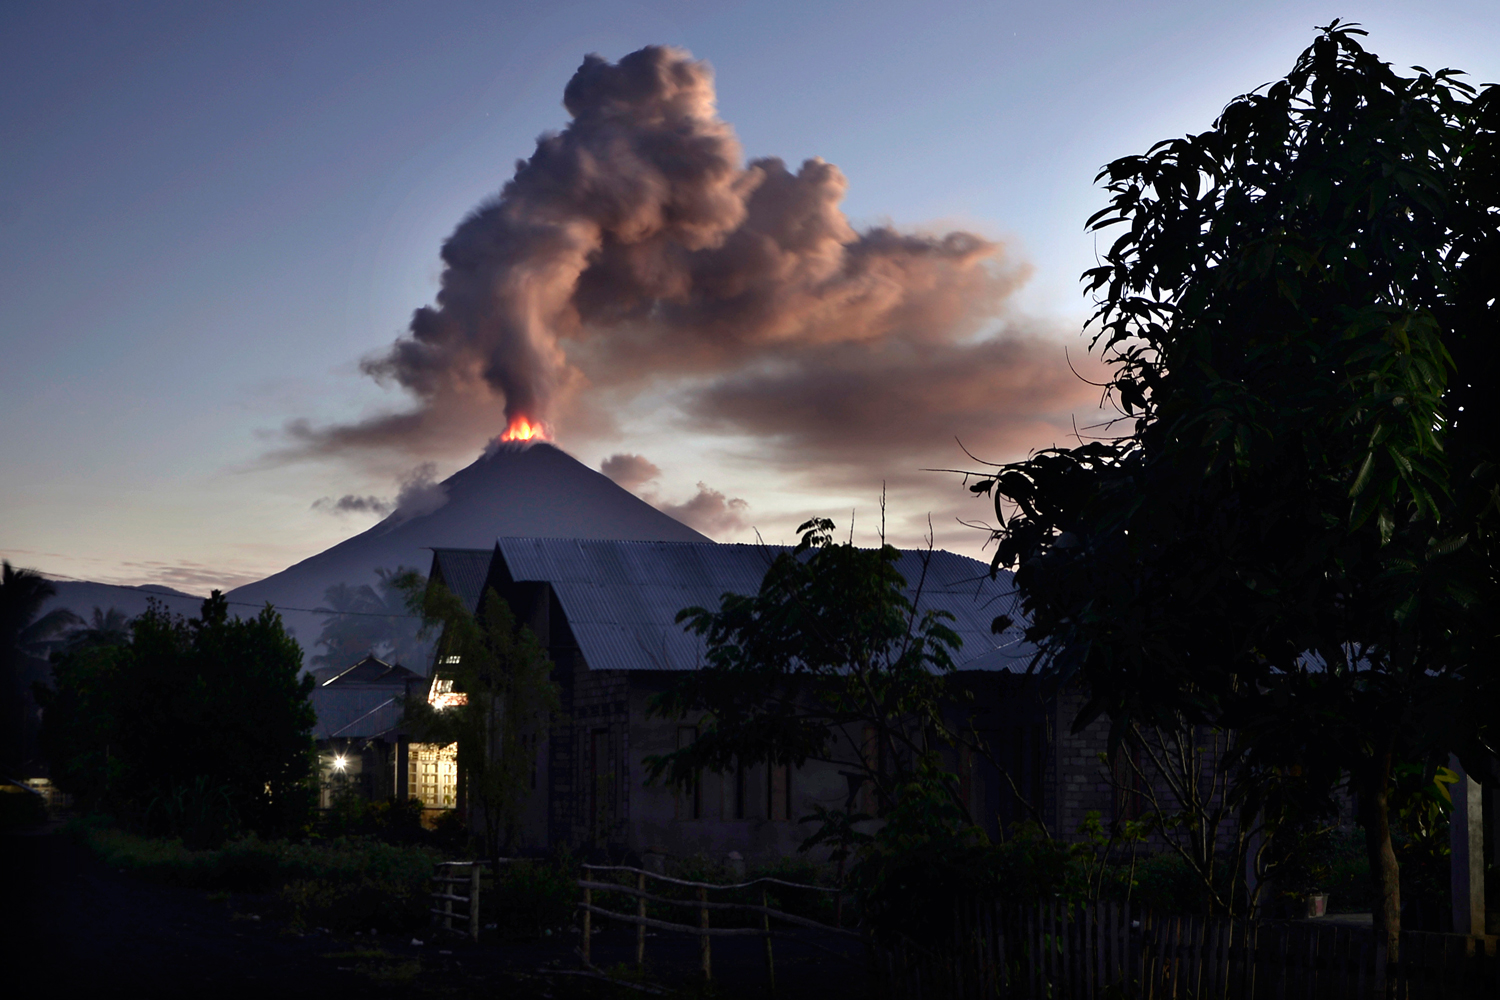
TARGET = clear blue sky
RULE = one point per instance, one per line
(209, 212)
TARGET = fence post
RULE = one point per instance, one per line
(474, 874)
(704, 952)
(640, 928)
(588, 922)
(447, 901)
(766, 923)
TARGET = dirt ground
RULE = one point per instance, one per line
(75, 927)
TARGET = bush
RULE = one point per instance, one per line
(348, 883)
(21, 809)
(530, 898)
(1165, 883)
(394, 821)
(356, 903)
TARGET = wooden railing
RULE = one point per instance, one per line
(448, 879)
(703, 905)
(1088, 952)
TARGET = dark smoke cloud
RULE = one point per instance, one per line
(351, 504)
(629, 471)
(637, 246)
(709, 511)
(851, 405)
(420, 493)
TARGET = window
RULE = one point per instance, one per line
(443, 696)
(601, 785)
(1023, 754)
(432, 771)
(779, 792)
(690, 799)
(1129, 790)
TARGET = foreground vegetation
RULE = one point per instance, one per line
(342, 883)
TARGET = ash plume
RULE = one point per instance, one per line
(636, 247)
(629, 471)
(420, 493)
(351, 504)
(709, 511)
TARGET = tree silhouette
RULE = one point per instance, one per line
(364, 620)
(22, 634)
(105, 628)
(1296, 536)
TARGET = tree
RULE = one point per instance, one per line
(830, 661)
(199, 727)
(366, 619)
(505, 678)
(22, 635)
(1293, 537)
(105, 628)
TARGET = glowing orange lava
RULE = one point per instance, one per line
(521, 429)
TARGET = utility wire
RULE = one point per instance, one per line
(244, 604)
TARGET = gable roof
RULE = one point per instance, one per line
(462, 571)
(372, 671)
(621, 598)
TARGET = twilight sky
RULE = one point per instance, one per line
(211, 214)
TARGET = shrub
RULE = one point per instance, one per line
(20, 809)
(351, 882)
(531, 897)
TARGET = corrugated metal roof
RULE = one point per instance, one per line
(355, 711)
(463, 571)
(622, 597)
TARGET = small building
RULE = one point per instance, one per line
(606, 612)
(362, 749)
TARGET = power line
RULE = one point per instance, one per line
(243, 604)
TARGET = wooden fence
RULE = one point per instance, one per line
(1062, 952)
(593, 883)
(448, 879)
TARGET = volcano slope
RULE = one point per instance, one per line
(532, 490)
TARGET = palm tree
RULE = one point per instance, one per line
(364, 619)
(350, 629)
(22, 634)
(106, 628)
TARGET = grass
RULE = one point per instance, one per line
(340, 884)
(380, 966)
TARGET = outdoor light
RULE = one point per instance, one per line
(339, 763)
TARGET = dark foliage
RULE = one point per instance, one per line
(361, 620)
(22, 634)
(1295, 535)
(199, 727)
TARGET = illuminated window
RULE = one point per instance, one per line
(433, 774)
(443, 696)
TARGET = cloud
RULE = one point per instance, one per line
(351, 504)
(419, 493)
(709, 511)
(846, 406)
(629, 471)
(636, 247)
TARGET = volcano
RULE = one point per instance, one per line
(533, 490)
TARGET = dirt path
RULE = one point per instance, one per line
(79, 928)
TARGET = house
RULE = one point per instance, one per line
(605, 611)
(362, 749)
